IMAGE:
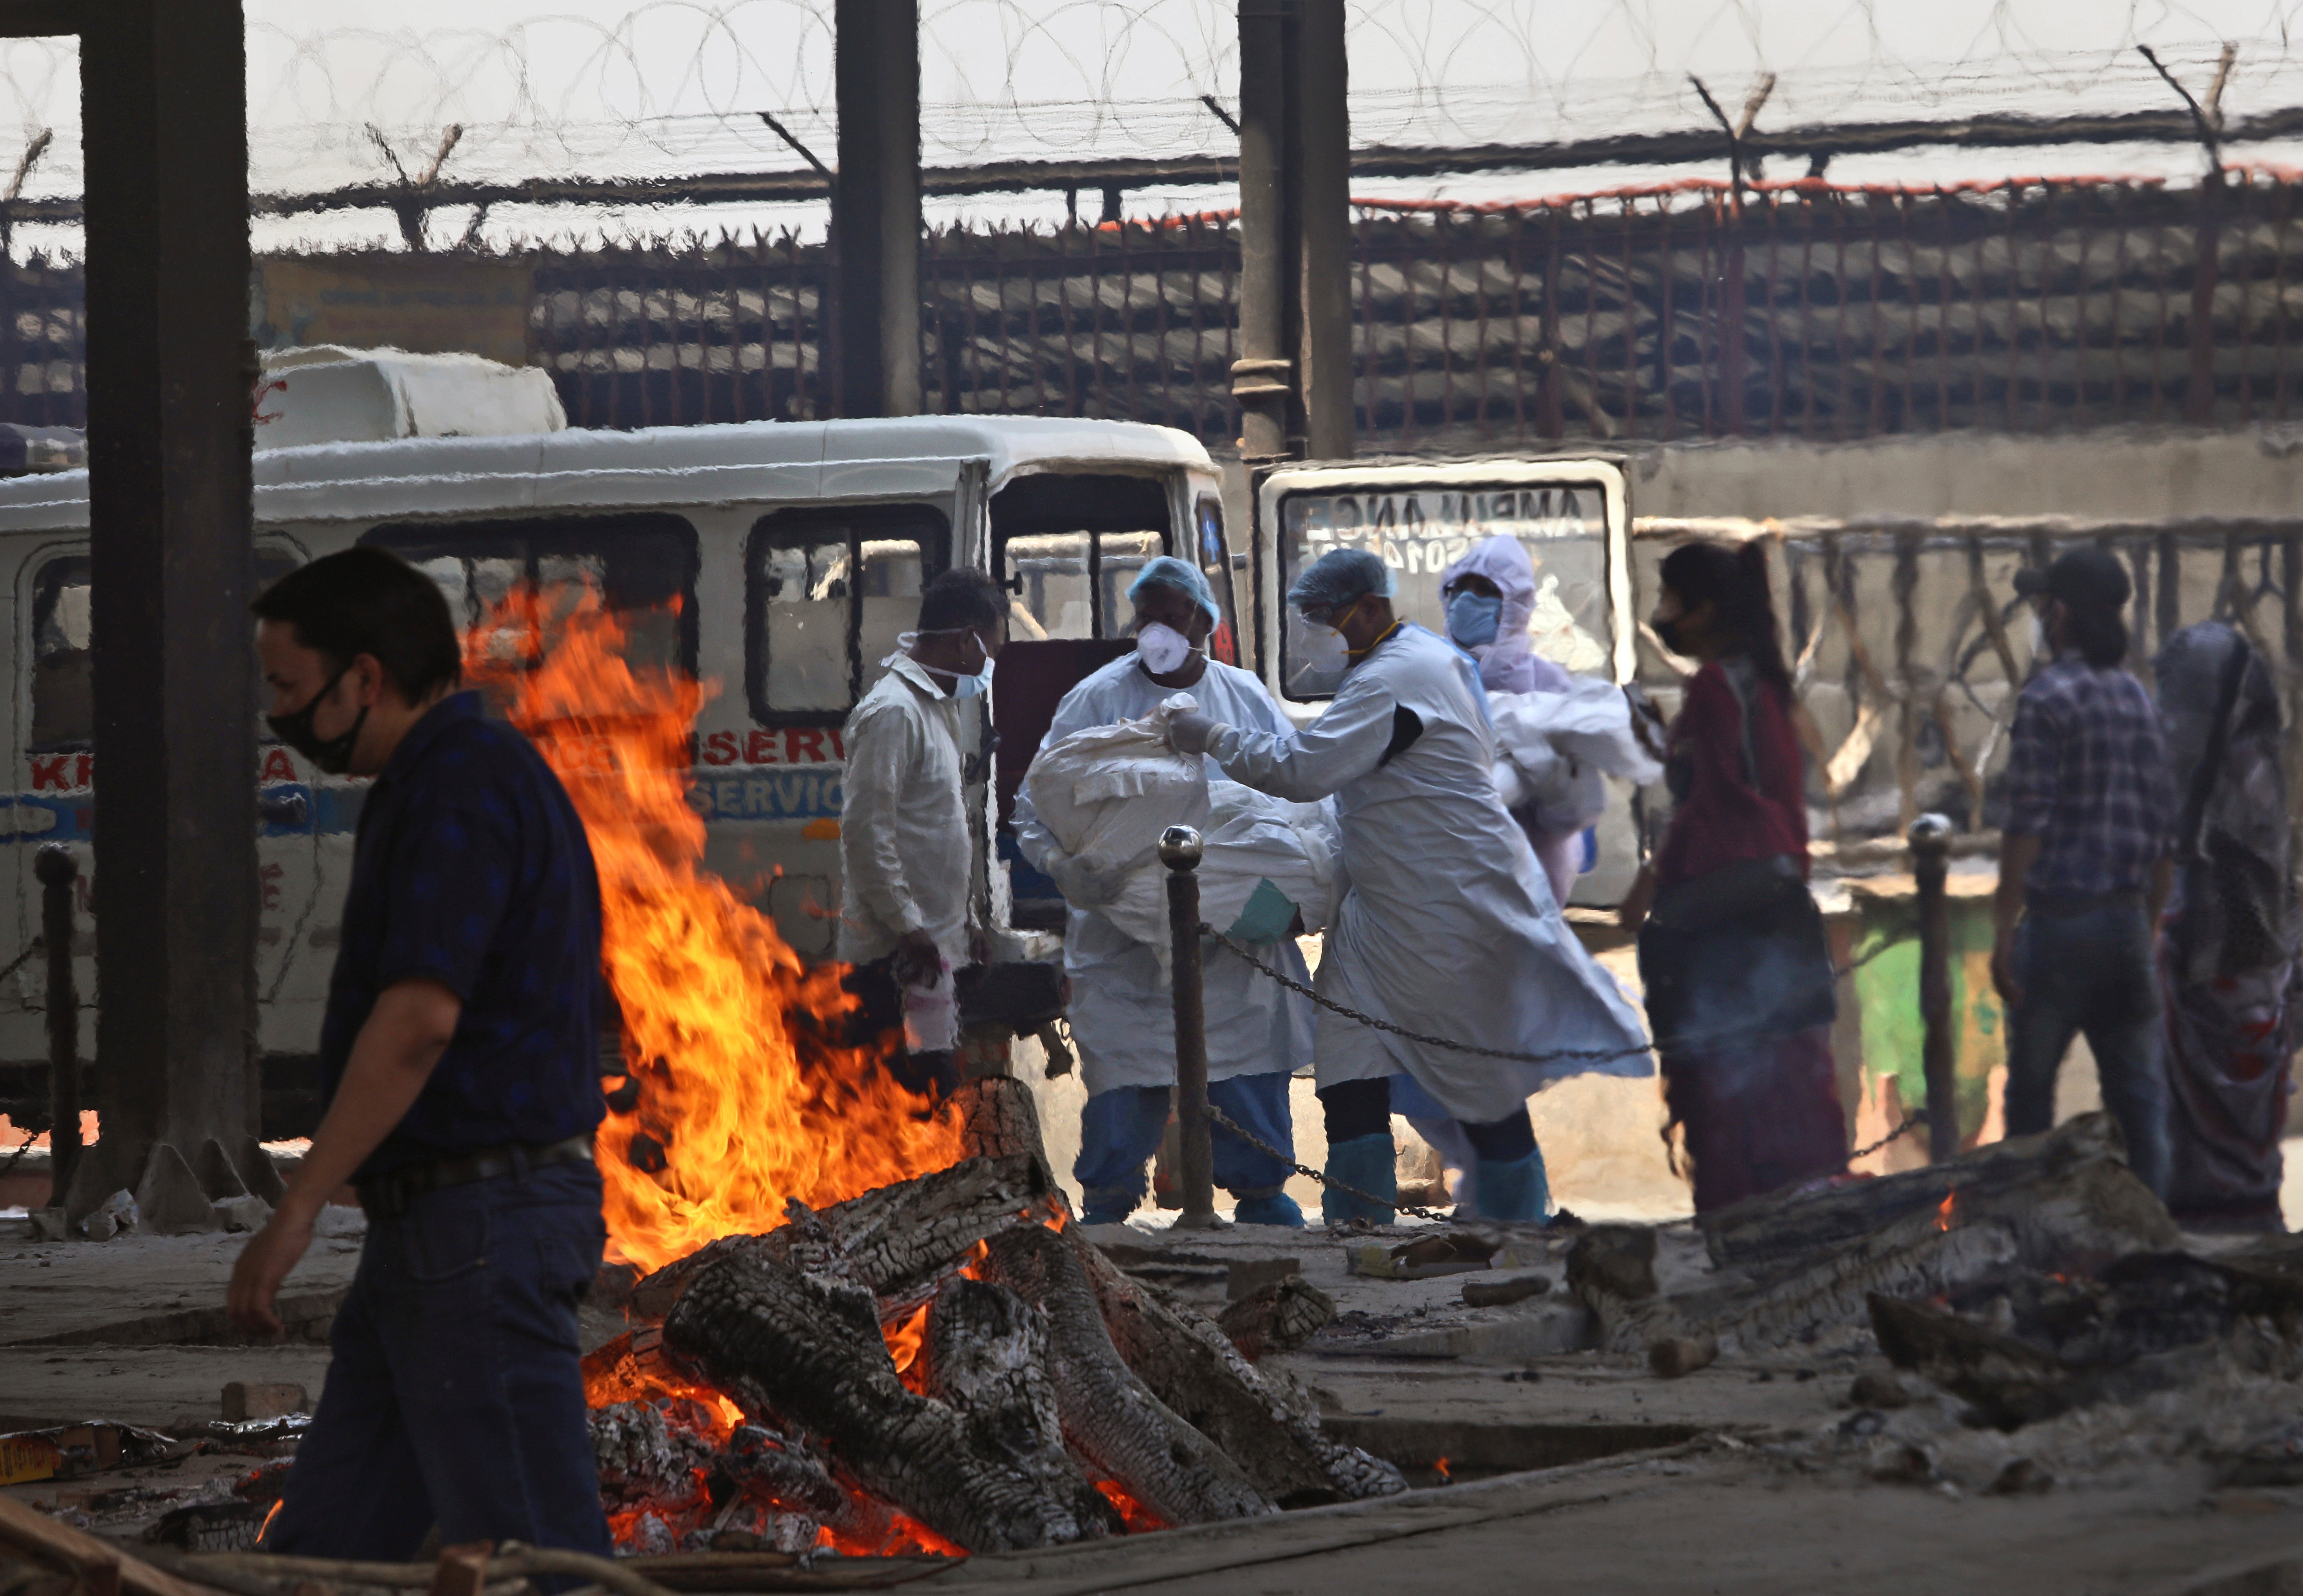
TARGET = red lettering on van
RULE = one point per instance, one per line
(720, 748)
(760, 747)
(809, 739)
(49, 771)
(84, 770)
(278, 766)
(838, 747)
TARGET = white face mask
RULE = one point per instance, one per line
(1162, 649)
(962, 686)
(2038, 634)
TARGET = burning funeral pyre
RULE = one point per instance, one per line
(864, 1326)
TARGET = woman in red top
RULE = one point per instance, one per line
(1737, 978)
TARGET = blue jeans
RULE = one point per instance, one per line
(2091, 972)
(456, 1396)
(1120, 1130)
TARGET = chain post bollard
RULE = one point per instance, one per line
(1930, 841)
(1179, 851)
(58, 870)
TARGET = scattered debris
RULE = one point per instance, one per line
(1672, 1356)
(1452, 1252)
(1278, 1317)
(1500, 1293)
(244, 1401)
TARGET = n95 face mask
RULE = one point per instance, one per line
(1162, 649)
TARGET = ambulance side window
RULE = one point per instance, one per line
(1069, 546)
(828, 592)
(64, 697)
(642, 567)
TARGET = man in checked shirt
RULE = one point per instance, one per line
(2085, 864)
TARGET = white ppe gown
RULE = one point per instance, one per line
(1449, 928)
(1122, 1014)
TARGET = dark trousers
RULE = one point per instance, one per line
(2091, 972)
(456, 1397)
(1356, 1109)
(878, 1021)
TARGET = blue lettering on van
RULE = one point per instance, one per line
(52, 817)
(767, 795)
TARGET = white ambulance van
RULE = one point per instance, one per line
(777, 559)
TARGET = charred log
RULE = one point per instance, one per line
(1110, 1417)
(2120, 1216)
(1192, 1367)
(999, 1118)
(2030, 1346)
(808, 1346)
(987, 1352)
(899, 1240)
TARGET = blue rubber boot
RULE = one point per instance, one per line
(1364, 1162)
(1516, 1190)
(1108, 1205)
(1270, 1206)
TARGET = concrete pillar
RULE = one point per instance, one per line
(170, 375)
(1323, 145)
(875, 208)
(1294, 380)
(1262, 379)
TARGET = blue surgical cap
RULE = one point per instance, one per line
(1338, 577)
(1165, 570)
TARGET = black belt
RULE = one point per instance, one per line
(387, 1196)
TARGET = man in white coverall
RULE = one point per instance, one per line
(904, 838)
(1122, 1014)
(1449, 929)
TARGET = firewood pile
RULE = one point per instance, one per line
(944, 1364)
(2040, 1310)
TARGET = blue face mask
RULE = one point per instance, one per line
(1472, 618)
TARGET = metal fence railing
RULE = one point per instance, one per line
(1690, 311)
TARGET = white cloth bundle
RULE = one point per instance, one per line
(1556, 747)
(1263, 861)
(1105, 794)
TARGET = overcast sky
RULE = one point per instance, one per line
(676, 86)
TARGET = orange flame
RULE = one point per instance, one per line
(270, 1514)
(1439, 1467)
(1140, 1519)
(745, 1097)
(1950, 1209)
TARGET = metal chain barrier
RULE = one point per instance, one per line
(1217, 1117)
(1563, 1055)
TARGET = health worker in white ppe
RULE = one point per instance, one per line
(1449, 929)
(904, 838)
(1122, 1015)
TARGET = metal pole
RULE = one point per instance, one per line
(1179, 850)
(58, 871)
(875, 208)
(1930, 839)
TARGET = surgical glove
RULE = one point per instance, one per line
(1085, 884)
(1190, 734)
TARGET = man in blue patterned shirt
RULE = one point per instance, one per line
(459, 1060)
(2085, 864)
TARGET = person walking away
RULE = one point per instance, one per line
(1122, 1014)
(1449, 930)
(2084, 864)
(1731, 951)
(2227, 964)
(460, 1064)
(904, 838)
(1490, 594)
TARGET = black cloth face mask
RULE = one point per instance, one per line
(331, 755)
